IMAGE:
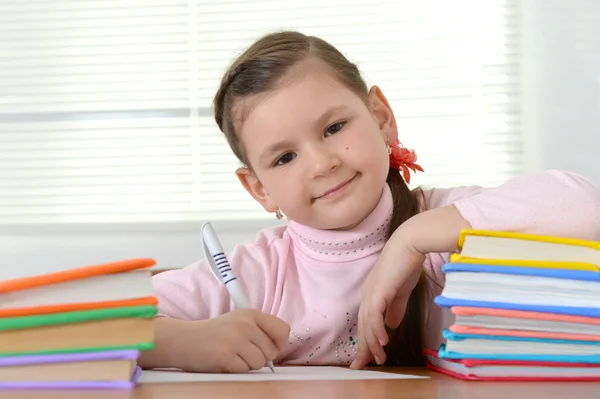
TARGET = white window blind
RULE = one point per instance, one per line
(105, 106)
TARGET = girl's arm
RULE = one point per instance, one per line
(238, 341)
(193, 293)
(396, 273)
(436, 230)
(198, 330)
(551, 203)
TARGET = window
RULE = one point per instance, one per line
(105, 105)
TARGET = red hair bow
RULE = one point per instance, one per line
(403, 159)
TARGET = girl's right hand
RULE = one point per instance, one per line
(236, 342)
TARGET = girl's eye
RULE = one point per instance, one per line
(335, 128)
(285, 158)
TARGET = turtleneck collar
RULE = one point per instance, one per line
(346, 245)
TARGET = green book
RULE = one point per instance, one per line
(142, 346)
(79, 316)
(13, 324)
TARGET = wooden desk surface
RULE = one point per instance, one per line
(439, 386)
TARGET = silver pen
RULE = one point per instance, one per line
(222, 270)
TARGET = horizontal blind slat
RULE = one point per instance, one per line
(100, 100)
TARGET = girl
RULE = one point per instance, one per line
(322, 148)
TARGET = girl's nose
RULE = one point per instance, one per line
(323, 161)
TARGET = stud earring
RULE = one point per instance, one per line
(278, 214)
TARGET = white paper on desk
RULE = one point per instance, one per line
(303, 373)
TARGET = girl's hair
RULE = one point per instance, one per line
(260, 69)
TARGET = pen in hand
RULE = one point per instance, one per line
(222, 270)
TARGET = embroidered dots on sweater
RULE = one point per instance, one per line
(348, 246)
(345, 245)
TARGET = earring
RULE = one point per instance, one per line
(389, 149)
(278, 214)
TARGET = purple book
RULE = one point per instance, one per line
(71, 357)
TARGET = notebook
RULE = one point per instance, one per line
(460, 329)
(71, 307)
(523, 320)
(462, 346)
(508, 370)
(564, 310)
(14, 279)
(109, 369)
(123, 286)
(92, 330)
(504, 248)
(522, 287)
(499, 320)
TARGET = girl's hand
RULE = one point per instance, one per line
(386, 291)
(236, 342)
(396, 273)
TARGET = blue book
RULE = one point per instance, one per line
(562, 291)
(567, 310)
(569, 274)
(474, 346)
(446, 354)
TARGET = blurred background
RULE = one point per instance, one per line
(108, 148)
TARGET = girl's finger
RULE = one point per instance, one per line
(265, 344)
(363, 356)
(252, 356)
(375, 347)
(376, 334)
(376, 322)
(236, 365)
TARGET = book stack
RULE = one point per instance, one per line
(82, 327)
(526, 307)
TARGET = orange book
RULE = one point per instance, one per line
(83, 288)
(71, 307)
(527, 324)
(75, 274)
(507, 314)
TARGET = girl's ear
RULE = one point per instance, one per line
(256, 189)
(383, 114)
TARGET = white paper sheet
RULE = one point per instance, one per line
(281, 374)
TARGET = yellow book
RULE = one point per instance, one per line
(528, 250)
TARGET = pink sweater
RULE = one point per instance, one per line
(312, 278)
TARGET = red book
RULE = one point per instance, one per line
(508, 370)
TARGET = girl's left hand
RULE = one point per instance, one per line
(396, 273)
(386, 291)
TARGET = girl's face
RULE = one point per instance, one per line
(315, 150)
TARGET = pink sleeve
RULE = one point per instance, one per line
(193, 293)
(550, 203)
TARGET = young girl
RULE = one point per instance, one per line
(321, 148)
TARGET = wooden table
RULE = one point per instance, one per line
(438, 387)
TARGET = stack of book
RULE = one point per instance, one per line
(526, 307)
(82, 327)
